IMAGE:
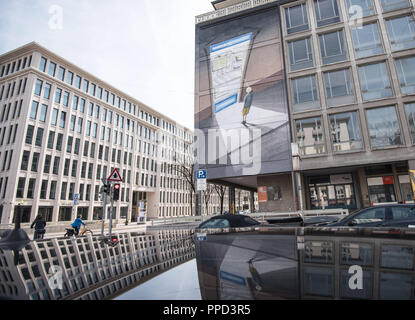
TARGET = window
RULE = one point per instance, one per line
(63, 192)
(51, 139)
(79, 128)
(90, 109)
(61, 73)
(86, 85)
(332, 47)
(42, 66)
(54, 117)
(389, 5)
(43, 112)
(69, 78)
(58, 95)
(339, 90)
(59, 142)
(43, 189)
(38, 87)
(52, 189)
(366, 40)
(65, 99)
(66, 167)
(383, 127)
(370, 215)
(410, 115)
(35, 161)
(48, 160)
(301, 55)
(374, 80)
(56, 165)
(33, 111)
(326, 12)
(25, 160)
(20, 188)
(62, 120)
(39, 137)
(52, 68)
(401, 33)
(31, 188)
(360, 8)
(296, 18)
(78, 82)
(401, 213)
(305, 93)
(72, 123)
(406, 74)
(46, 91)
(29, 134)
(345, 131)
(69, 144)
(310, 136)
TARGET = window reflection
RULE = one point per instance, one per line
(305, 95)
(397, 257)
(357, 7)
(310, 136)
(410, 115)
(301, 55)
(366, 40)
(339, 89)
(326, 11)
(406, 74)
(401, 33)
(389, 5)
(296, 18)
(395, 286)
(318, 251)
(356, 253)
(383, 126)
(374, 80)
(332, 47)
(318, 281)
(345, 131)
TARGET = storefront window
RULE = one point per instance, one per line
(381, 189)
(335, 191)
(406, 188)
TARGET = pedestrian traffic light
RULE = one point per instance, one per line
(116, 194)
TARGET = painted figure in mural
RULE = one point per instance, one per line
(247, 103)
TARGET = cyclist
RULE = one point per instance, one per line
(77, 224)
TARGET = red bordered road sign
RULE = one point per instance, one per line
(115, 176)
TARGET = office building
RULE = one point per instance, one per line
(350, 89)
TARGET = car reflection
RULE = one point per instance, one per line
(306, 263)
(90, 269)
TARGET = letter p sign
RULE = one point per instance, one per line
(201, 174)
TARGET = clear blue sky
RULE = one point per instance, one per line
(142, 47)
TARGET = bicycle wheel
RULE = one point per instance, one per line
(89, 231)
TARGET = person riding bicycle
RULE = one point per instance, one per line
(40, 224)
(77, 224)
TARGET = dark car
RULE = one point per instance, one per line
(391, 215)
(228, 221)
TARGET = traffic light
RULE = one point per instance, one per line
(116, 195)
(107, 188)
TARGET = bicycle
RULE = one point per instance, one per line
(71, 232)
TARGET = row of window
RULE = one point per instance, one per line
(9, 92)
(328, 12)
(366, 41)
(90, 88)
(345, 133)
(85, 85)
(15, 66)
(374, 81)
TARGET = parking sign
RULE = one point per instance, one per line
(201, 174)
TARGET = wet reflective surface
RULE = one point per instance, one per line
(226, 264)
(307, 263)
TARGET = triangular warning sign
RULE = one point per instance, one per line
(115, 176)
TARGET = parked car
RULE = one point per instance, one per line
(389, 215)
(228, 221)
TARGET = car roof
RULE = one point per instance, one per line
(234, 219)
